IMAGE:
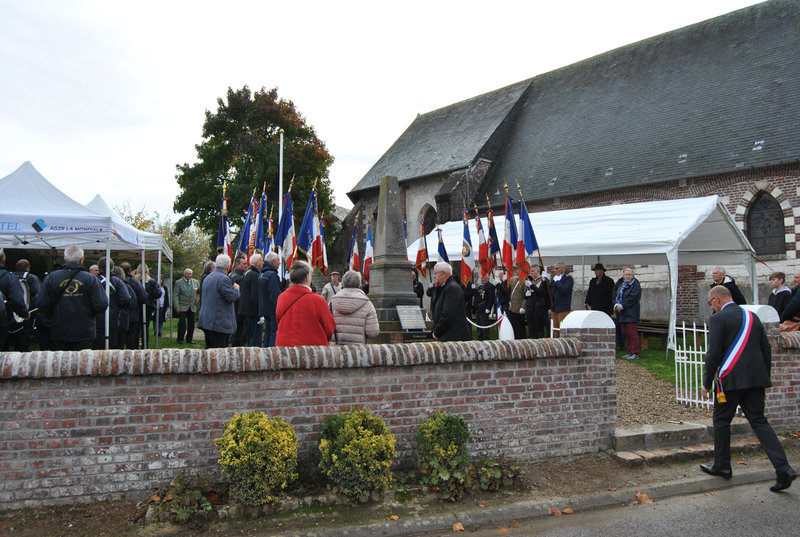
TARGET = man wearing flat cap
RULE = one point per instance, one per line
(600, 295)
(332, 287)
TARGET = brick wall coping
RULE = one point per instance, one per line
(60, 364)
(790, 340)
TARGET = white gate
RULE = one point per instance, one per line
(691, 342)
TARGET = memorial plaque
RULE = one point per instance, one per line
(411, 317)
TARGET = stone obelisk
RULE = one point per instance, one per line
(390, 273)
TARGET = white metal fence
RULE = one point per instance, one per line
(691, 342)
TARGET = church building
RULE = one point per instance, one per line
(712, 108)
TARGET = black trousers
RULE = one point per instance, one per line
(72, 345)
(752, 403)
(185, 326)
(538, 325)
(215, 340)
(483, 319)
(518, 324)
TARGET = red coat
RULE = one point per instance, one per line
(303, 318)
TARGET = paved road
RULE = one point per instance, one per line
(741, 511)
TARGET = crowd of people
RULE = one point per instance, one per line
(243, 302)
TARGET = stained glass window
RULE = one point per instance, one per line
(765, 225)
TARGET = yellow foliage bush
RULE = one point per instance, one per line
(258, 455)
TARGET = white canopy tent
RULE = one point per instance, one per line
(36, 214)
(693, 231)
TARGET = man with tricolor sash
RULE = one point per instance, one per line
(737, 371)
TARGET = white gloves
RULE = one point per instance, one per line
(487, 312)
(557, 277)
(430, 285)
(546, 275)
(528, 283)
(522, 311)
(261, 320)
(473, 286)
(528, 293)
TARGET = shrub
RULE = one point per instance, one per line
(491, 474)
(184, 501)
(442, 456)
(357, 451)
(258, 455)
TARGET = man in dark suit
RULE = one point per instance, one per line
(737, 367)
(449, 312)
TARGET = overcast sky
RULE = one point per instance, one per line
(106, 97)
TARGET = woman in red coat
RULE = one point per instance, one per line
(303, 316)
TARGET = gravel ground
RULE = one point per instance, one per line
(644, 399)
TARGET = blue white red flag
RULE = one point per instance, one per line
(260, 235)
(368, 252)
(421, 263)
(224, 231)
(353, 261)
(244, 244)
(510, 239)
(467, 258)
(285, 238)
(442, 250)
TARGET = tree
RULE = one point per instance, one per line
(140, 220)
(241, 147)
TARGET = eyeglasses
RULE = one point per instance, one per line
(710, 300)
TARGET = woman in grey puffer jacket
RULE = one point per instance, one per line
(353, 312)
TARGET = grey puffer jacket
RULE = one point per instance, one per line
(355, 316)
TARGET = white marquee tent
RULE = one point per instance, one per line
(36, 214)
(695, 231)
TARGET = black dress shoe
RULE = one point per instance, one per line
(783, 482)
(725, 474)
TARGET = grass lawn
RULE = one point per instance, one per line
(656, 360)
(168, 341)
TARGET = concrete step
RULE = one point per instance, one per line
(673, 434)
(674, 442)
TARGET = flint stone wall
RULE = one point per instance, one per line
(93, 425)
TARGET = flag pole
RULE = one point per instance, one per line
(489, 208)
(280, 176)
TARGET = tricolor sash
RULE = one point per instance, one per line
(738, 345)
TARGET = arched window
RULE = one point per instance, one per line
(765, 225)
(428, 216)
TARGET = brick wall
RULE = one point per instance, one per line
(90, 425)
(783, 399)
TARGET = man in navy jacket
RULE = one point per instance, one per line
(738, 364)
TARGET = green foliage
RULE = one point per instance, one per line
(184, 500)
(659, 362)
(491, 474)
(241, 146)
(357, 451)
(258, 455)
(442, 456)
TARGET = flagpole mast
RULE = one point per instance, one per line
(280, 176)
(489, 208)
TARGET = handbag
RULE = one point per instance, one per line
(790, 326)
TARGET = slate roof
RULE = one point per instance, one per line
(717, 96)
(446, 139)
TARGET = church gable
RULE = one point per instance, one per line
(444, 140)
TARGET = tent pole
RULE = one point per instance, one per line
(169, 288)
(144, 306)
(108, 294)
(158, 309)
(583, 280)
(751, 268)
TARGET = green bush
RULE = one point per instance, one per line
(357, 451)
(491, 474)
(442, 456)
(259, 457)
(184, 501)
